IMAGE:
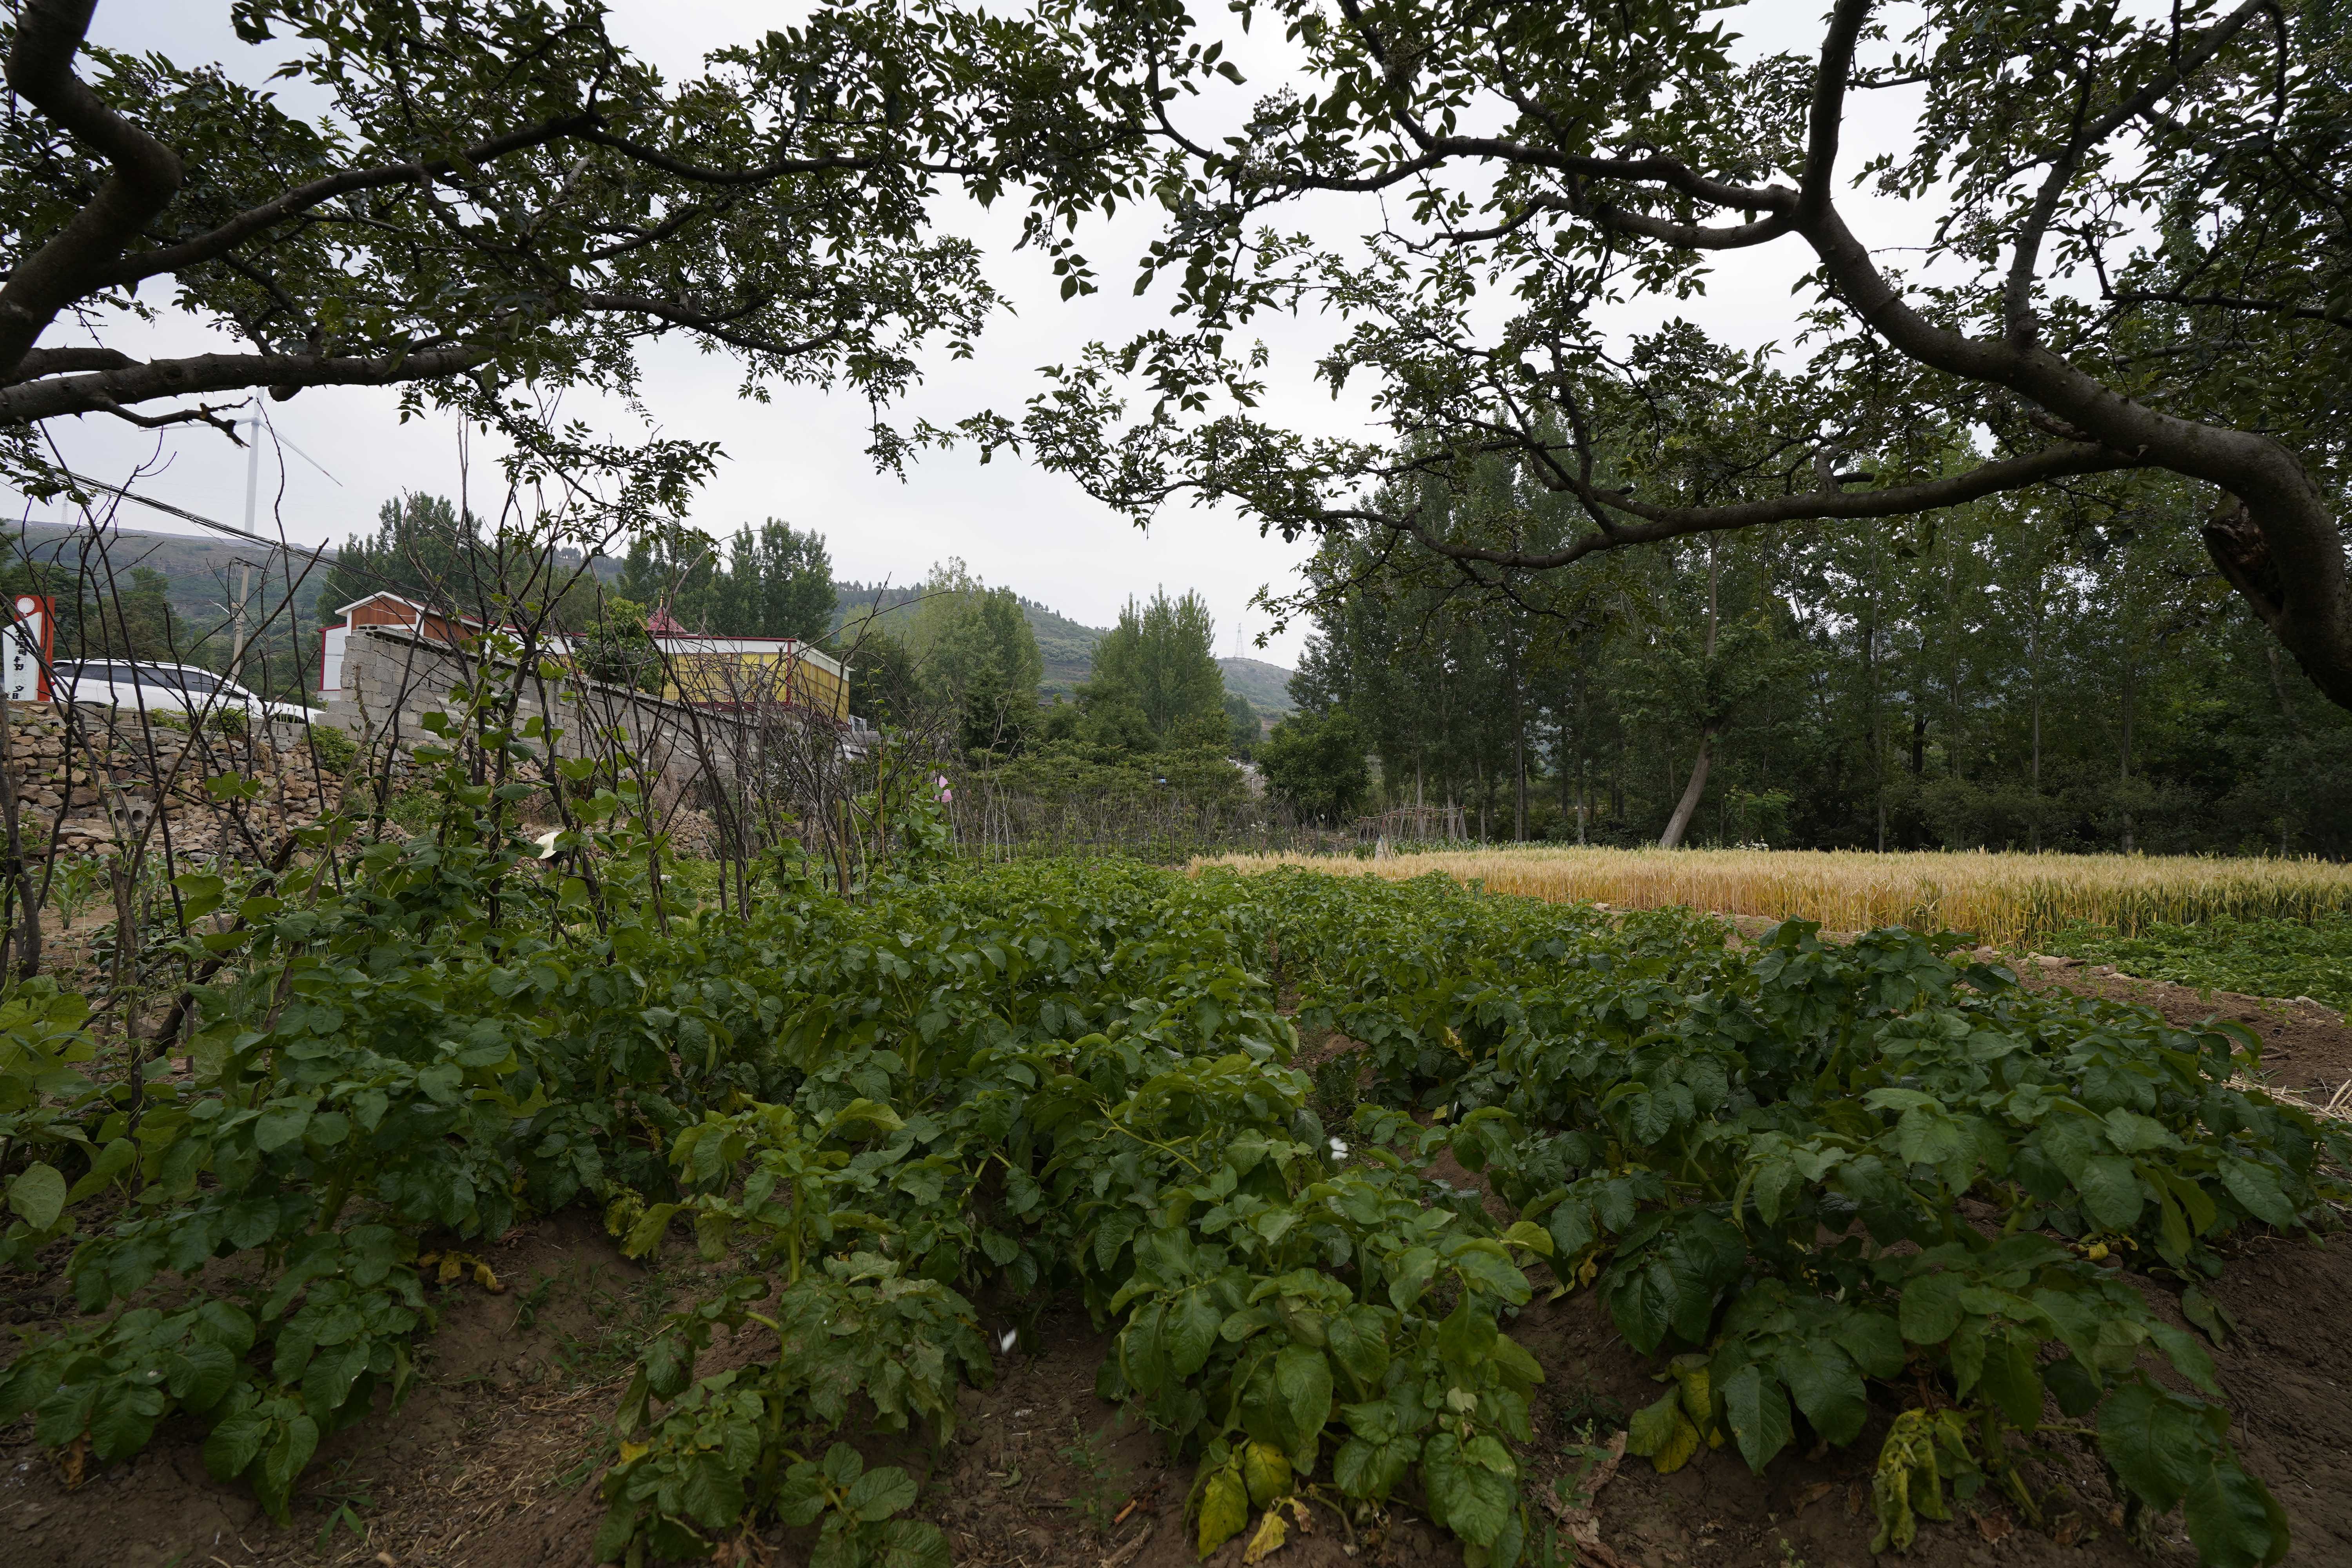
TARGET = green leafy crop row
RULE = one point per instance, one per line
(1798, 1171)
(1810, 1181)
(2256, 958)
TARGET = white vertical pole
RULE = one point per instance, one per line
(245, 568)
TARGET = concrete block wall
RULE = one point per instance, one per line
(393, 678)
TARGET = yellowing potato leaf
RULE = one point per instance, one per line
(1698, 1400)
(1225, 1509)
(1265, 1470)
(1663, 1433)
(1680, 1448)
(1271, 1534)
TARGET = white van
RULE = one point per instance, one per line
(165, 689)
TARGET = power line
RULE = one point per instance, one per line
(186, 516)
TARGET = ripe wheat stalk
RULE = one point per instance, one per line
(1999, 897)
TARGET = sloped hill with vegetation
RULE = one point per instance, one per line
(197, 567)
(1068, 648)
(1265, 686)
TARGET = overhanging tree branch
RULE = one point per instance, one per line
(146, 175)
(1660, 523)
(104, 392)
(253, 221)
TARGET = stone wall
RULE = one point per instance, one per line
(91, 779)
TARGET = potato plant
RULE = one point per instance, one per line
(1811, 1183)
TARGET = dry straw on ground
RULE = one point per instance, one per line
(2001, 897)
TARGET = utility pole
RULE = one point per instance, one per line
(244, 567)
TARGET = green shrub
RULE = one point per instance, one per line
(332, 747)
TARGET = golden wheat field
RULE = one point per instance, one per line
(2005, 899)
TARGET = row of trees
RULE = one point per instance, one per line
(2009, 674)
(776, 580)
(959, 659)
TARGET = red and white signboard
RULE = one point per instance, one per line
(25, 657)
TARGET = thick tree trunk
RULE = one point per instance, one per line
(2274, 537)
(2123, 760)
(1688, 806)
(2278, 690)
(143, 175)
(1877, 727)
(2033, 670)
(1519, 757)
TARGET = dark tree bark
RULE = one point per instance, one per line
(1694, 791)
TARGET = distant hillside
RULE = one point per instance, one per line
(889, 607)
(198, 565)
(1265, 686)
(1067, 648)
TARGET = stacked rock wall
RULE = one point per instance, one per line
(88, 779)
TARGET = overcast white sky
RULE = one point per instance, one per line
(801, 458)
